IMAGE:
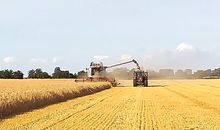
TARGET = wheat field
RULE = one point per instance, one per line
(18, 96)
(165, 105)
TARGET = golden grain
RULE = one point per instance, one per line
(165, 105)
(18, 96)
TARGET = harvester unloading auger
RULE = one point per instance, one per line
(97, 73)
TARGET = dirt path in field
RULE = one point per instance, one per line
(164, 105)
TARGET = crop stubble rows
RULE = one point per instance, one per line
(186, 104)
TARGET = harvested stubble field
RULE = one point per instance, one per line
(17, 96)
(165, 105)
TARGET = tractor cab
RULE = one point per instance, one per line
(140, 78)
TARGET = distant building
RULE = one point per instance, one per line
(188, 72)
(179, 73)
(167, 73)
(203, 74)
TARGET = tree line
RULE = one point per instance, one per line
(40, 74)
(119, 73)
(57, 74)
(10, 74)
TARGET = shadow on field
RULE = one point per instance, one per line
(150, 86)
(156, 86)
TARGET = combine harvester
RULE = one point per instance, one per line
(97, 73)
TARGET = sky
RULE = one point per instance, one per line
(72, 33)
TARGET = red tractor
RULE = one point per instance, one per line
(140, 78)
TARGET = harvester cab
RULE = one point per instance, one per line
(96, 70)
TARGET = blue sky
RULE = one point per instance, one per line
(69, 33)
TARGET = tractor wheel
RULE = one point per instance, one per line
(146, 83)
(134, 84)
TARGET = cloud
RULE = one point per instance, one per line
(183, 57)
(185, 47)
(126, 57)
(100, 57)
(55, 59)
(8, 60)
(39, 60)
(148, 56)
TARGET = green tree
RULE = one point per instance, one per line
(57, 73)
(18, 75)
(81, 74)
(39, 73)
(31, 74)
